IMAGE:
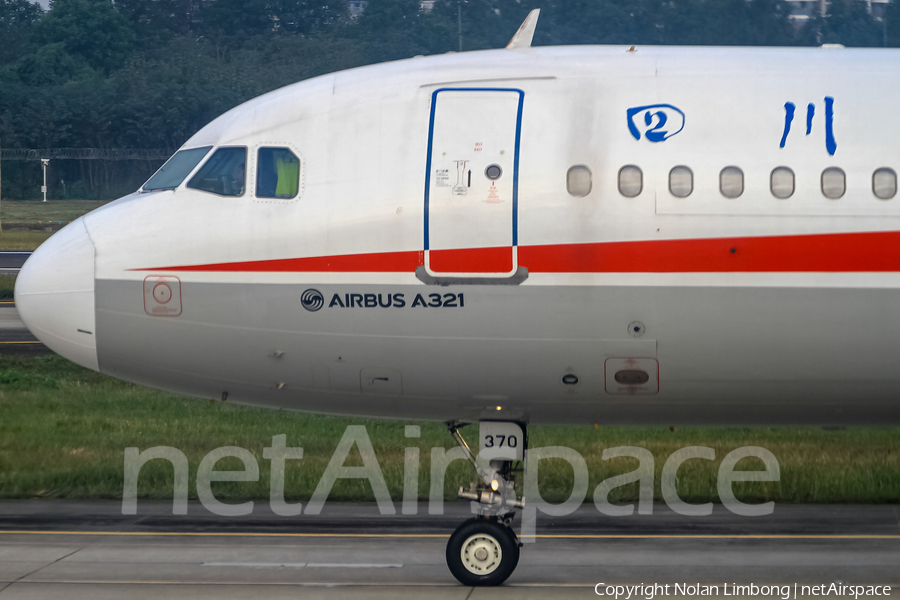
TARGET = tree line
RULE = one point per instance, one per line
(150, 73)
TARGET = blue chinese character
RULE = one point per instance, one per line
(790, 108)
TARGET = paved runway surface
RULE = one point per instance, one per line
(52, 549)
(12, 260)
(14, 336)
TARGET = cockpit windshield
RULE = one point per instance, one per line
(171, 174)
(223, 173)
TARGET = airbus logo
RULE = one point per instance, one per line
(312, 300)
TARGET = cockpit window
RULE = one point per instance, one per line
(223, 173)
(277, 173)
(171, 174)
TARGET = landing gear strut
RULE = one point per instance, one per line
(484, 550)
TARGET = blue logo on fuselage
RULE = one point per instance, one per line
(312, 300)
(659, 122)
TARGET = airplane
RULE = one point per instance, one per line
(578, 235)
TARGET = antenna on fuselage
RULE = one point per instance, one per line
(525, 34)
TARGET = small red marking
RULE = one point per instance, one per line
(159, 287)
(156, 307)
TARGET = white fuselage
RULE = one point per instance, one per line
(564, 290)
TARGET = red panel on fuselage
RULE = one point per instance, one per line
(472, 260)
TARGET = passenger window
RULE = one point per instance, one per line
(782, 183)
(834, 183)
(681, 182)
(277, 173)
(223, 173)
(631, 181)
(884, 183)
(579, 181)
(731, 182)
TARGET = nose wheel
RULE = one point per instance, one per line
(482, 552)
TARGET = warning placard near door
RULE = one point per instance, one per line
(493, 195)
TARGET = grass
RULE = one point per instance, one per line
(28, 223)
(19, 239)
(63, 431)
(7, 285)
(34, 213)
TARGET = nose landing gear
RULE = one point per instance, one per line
(484, 550)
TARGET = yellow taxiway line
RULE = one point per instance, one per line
(291, 583)
(637, 536)
(314, 584)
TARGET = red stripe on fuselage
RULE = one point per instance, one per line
(840, 252)
(843, 252)
(382, 262)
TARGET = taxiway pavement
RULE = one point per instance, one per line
(14, 336)
(12, 260)
(54, 549)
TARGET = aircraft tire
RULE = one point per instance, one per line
(482, 552)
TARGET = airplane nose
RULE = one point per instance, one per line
(55, 294)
